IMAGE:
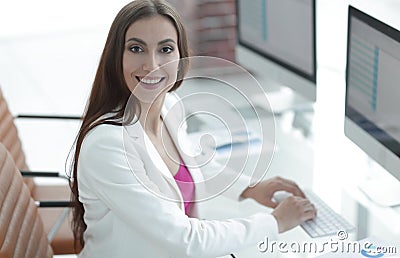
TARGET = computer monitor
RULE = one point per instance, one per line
(276, 41)
(372, 97)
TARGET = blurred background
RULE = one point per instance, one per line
(53, 47)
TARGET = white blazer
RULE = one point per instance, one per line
(134, 208)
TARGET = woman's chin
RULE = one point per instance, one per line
(149, 96)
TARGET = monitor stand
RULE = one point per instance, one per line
(286, 100)
(380, 187)
(282, 100)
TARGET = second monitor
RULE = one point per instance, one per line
(277, 41)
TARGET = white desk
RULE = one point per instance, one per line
(370, 218)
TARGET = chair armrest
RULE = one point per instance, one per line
(64, 215)
(53, 204)
(65, 117)
(26, 173)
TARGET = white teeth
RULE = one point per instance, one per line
(150, 81)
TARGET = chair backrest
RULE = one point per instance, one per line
(21, 228)
(10, 139)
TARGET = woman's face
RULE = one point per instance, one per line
(150, 46)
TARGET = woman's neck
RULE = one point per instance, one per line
(150, 117)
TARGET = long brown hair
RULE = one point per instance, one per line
(110, 92)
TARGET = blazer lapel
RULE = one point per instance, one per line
(174, 119)
(137, 133)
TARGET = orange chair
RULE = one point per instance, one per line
(62, 238)
(21, 229)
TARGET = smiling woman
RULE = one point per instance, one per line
(136, 192)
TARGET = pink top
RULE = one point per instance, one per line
(185, 183)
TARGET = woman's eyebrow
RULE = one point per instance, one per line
(137, 40)
(166, 41)
(144, 43)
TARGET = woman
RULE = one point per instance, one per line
(134, 191)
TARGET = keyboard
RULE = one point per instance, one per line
(327, 222)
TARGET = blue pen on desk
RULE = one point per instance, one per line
(234, 144)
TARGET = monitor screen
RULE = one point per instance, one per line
(372, 89)
(283, 33)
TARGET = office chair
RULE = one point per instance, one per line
(56, 222)
(21, 228)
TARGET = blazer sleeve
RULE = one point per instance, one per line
(103, 168)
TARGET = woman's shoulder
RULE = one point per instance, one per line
(103, 134)
(109, 134)
(104, 129)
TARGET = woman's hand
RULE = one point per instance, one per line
(290, 212)
(264, 191)
(293, 211)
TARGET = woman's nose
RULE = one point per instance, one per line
(150, 63)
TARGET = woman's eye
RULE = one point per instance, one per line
(136, 49)
(167, 50)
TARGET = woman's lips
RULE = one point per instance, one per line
(150, 83)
